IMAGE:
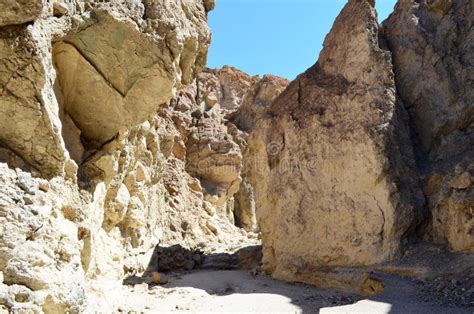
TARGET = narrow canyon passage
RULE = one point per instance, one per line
(135, 179)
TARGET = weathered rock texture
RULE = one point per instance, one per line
(254, 105)
(108, 146)
(116, 63)
(19, 11)
(334, 173)
(213, 155)
(433, 55)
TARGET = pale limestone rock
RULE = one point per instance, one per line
(39, 249)
(161, 155)
(171, 48)
(29, 122)
(431, 42)
(100, 217)
(253, 107)
(117, 201)
(332, 161)
(215, 158)
(105, 95)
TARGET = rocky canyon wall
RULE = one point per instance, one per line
(112, 142)
(372, 146)
(337, 184)
(433, 58)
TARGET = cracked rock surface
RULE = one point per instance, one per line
(333, 184)
(434, 41)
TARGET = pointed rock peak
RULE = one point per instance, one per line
(349, 48)
(371, 2)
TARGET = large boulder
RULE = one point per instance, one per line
(333, 173)
(46, 118)
(433, 58)
(155, 48)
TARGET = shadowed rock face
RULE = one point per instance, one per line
(433, 57)
(334, 180)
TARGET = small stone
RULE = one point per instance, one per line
(26, 183)
(27, 199)
(461, 182)
(60, 9)
(158, 278)
(44, 186)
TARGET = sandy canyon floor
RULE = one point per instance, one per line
(426, 280)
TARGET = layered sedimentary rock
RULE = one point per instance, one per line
(433, 57)
(241, 100)
(219, 155)
(334, 170)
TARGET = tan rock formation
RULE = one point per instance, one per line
(29, 122)
(40, 255)
(253, 107)
(16, 12)
(333, 159)
(105, 94)
(135, 193)
(242, 100)
(213, 154)
(101, 217)
(235, 85)
(215, 158)
(431, 42)
(101, 95)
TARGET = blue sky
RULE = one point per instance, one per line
(281, 37)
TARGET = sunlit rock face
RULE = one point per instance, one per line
(335, 181)
(97, 146)
(433, 53)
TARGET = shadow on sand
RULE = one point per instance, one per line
(233, 282)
